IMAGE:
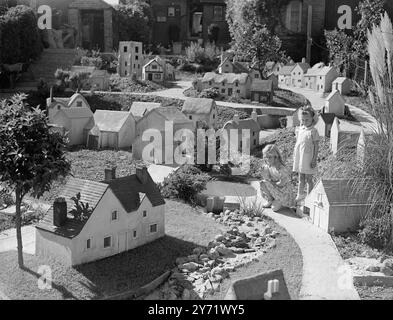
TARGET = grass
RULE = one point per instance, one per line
(286, 256)
(359, 101)
(223, 188)
(126, 84)
(186, 228)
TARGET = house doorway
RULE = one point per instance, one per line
(150, 77)
(230, 91)
(122, 242)
(93, 29)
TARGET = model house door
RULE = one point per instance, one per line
(230, 90)
(150, 77)
(122, 242)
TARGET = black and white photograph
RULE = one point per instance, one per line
(212, 151)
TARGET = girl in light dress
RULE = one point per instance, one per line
(276, 186)
(306, 151)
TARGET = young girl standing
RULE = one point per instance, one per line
(306, 150)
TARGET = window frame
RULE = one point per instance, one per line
(110, 242)
(151, 225)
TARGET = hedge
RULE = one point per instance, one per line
(20, 39)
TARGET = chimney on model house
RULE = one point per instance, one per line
(236, 118)
(110, 173)
(303, 60)
(59, 212)
(142, 174)
(254, 115)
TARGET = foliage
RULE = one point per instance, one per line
(19, 33)
(185, 183)
(127, 84)
(135, 19)
(207, 55)
(92, 61)
(210, 93)
(376, 232)
(212, 32)
(252, 30)
(78, 79)
(31, 156)
(81, 210)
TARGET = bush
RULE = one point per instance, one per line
(210, 93)
(19, 35)
(92, 62)
(207, 56)
(185, 183)
(376, 231)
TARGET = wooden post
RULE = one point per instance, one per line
(309, 34)
(365, 72)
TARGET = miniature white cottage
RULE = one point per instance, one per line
(297, 77)
(320, 78)
(343, 85)
(201, 110)
(335, 205)
(55, 104)
(335, 103)
(126, 213)
(324, 124)
(139, 109)
(228, 84)
(285, 75)
(343, 136)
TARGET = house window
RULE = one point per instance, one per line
(210, 83)
(88, 243)
(171, 11)
(107, 242)
(256, 76)
(136, 49)
(79, 104)
(154, 67)
(144, 213)
(223, 90)
(253, 133)
(153, 228)
(134, 234)
(136, 57)
(236, 84)
(157, 76)
(190, 117)
(134, 65)
(125, 63)
(114, 215)
(125, 49)
(218, 12)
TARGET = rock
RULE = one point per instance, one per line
(227, 212)
(249, 224)
(388, 263)
(193, 258)
(178, 276)
(210, 263)
(220, 271)
(213, 254)
(181, 260)
(213, 244)
(234, 231)
(229, 268)
(237, 250)
(203, 256)
(198, 251)
(387, 267)
(210, 214)
(224, 251)
(373, 268)
(249, 250)
(190, 266)
(204, 269)
(186, 294)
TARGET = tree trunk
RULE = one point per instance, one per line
(18, 222)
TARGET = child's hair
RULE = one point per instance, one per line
(272, 149)
(307, 109)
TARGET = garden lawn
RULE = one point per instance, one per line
(186, 228)
(223, 188)
(286, 255)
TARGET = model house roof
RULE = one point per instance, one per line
(127, 190)
(198, 106)
(67, 102)
(328, 118)
(240, 67)
(171, 113)
(139, 109)
(322, 71)
(157, 59)
(286, 70)
(333, 94)
(248, 123)
(304, 66)
(341, 80)
(343, 192)
(76, 113)
(112, 121)
(262, 85)
(225, 77)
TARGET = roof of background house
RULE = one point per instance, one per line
(227, 77)
(328, 118)
(138, 109)
(171, 113)
(112, 121)
(341, 80)
(303, 65)
(240, 67)
(323, 71)
(286, 70)
(198, 105)
(262, 85)
(76, 113)
(126, 189)
(248, 123)
(343, 192)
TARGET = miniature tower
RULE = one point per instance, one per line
(130, 59)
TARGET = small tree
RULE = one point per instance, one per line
(81, 210)
(31, 156)
(78, 79)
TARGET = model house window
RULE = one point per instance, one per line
(171, 11)
(144, 213)
(134, 65)
(236, 84)
(79, 104)
(134, 234)
(125, 72)
(256, 76)
(125, 63)
(222, 90)
(153, 228)
(218, 12)
(255, 142)
(136, 57)
(136, 49)
(238, 91)
(88, 243)
(114, 215)
(214, 116)
(125, 49)
(190, 117)
(157, 76)
(107, 242)
(154, 67)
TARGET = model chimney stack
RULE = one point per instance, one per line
(59, 212)
(110, 173)
(236, 118)
(254, 115)
(142, 174)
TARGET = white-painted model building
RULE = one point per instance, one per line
(335, 103)
(130, 59)
(343, 85)
(53, 105)
(201, 110)
(320, 78)
(126, 213)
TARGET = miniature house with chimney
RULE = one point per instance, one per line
(53, 105)
(335, 205)
(125, 213)
(285, 75)
(262, 91)
(298, 72)
(343, 85)
(228, 84)
(320, 78)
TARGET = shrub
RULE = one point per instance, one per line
(210, 93)
(206, 56)
(185, 183)
(376, 232)
(20, 35)
(92, 62)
